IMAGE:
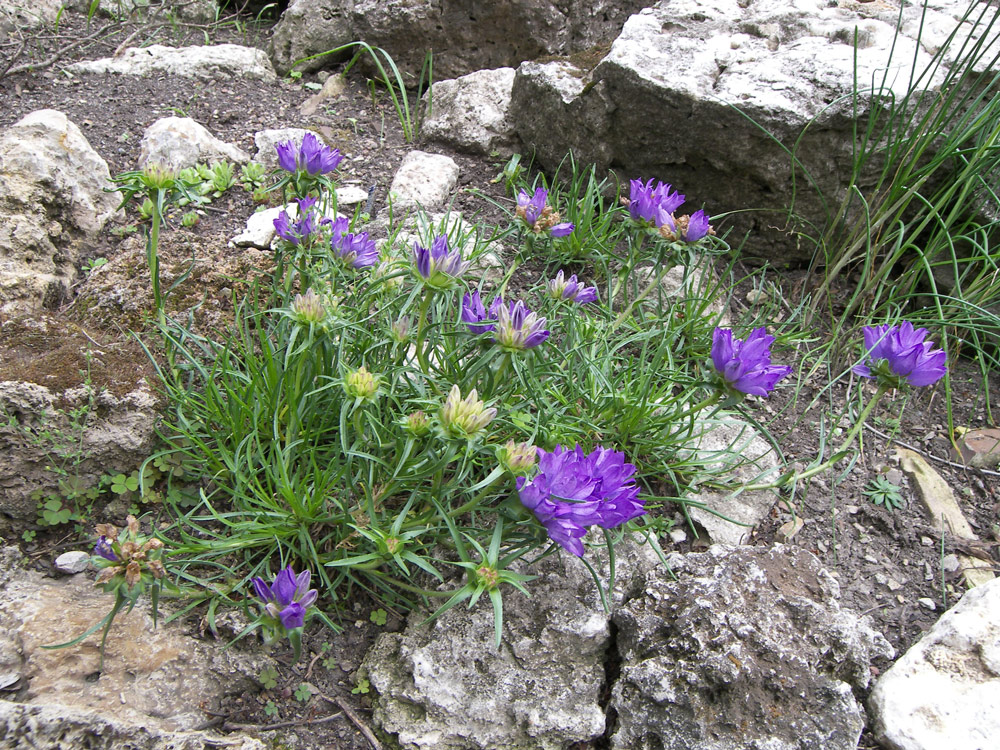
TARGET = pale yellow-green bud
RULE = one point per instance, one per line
(401, 330)
(309, 308)
(465, 418)
(417, 424)
(361, 384)
(158, 177)
(518, 458)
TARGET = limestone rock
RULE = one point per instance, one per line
(691, 90)
(53, 202)
(424, 180)
(208, 62)
(943, 693)
(108, 432)
(748, 647)
(259, 231)
(311, 27)
(733, 449)
(470, 113)
(22, 14)
(445, 686)
(179, 142)
(73, 562)
(168, 677)
(466, 38)
(62, 728)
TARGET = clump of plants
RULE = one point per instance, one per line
(380, 418)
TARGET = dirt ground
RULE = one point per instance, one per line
(886, 561)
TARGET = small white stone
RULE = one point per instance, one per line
(351, 195)
(893, 584)
(927, 541)
(678, 536)
(950, 563)
(72, 562)
(927, 603)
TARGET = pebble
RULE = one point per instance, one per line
(881, 579)
(927, 541)
(72, 562)
(927, 603)
(893, 584)
(950, 563)
(852, 509)
(678, 536)
(871, 559)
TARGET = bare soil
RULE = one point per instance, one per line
(886, 561)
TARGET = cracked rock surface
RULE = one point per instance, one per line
(747, 648)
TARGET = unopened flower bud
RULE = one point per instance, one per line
(518, 458)
(417, 424)
(158, 177)
(488, 576)
(308, 308)
(361, 384)
(401, 330)
(465, 418)
(393, 545)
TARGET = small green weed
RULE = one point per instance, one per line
(269, 678)
(304, 692)
(362, 688)
(885, 493)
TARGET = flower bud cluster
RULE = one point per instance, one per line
(126, 556)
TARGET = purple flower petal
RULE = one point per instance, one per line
(746, 366)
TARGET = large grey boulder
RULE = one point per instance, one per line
(747, 648)
(944, 692)
(709, 94)
(470, 113)
(463, 36)
(206, 63)
(445, 685)
(53, 204)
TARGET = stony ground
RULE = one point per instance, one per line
(886, 561)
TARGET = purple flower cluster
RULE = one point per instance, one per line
(475, 314)
(312, 157)
(105, 550)
(539, 217)
(570, 289)
(518, 328)
(355, 250)
(654, 206)
(746, 366)
(574, 490)
(287, 599)
(305, 223)
(515, 327)
(901, 354)
(438, 267)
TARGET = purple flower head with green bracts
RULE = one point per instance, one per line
(104, 549)
(570, 289)
(287, 599)
(540, 217)
(652, 206)
(901, 354)
(518, 328)
(439, 267)
(355, 250)
(312, 156)
(746, 366)
(574, 490)
(296, 230)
